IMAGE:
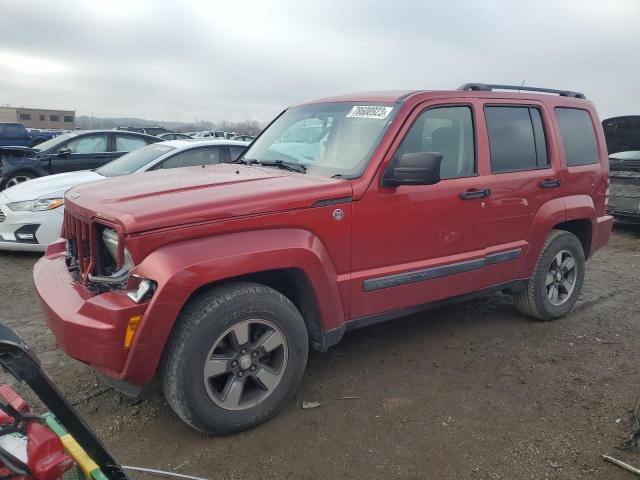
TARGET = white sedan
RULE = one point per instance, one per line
(31, 213)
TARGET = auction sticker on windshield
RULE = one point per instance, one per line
(369, 111)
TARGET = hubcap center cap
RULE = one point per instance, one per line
(245, 362)
(558, 277)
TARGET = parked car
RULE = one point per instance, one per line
(16, 135)
(31, 213)
(218, 280)
(174, 136)
(623, 143)
(73, 151)
(148, 130)
(244, 138)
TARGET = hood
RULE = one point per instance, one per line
(169, 198)
(51, 186)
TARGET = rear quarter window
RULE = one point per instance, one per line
(578, 136)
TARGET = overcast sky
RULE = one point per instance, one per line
(248, 60)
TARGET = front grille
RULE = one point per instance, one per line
(2, 216)
(80, 245)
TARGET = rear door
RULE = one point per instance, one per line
(125, 143)
(208, 155)
(84, 152)
(525, 175)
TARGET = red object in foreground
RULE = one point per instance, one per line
(46, 458)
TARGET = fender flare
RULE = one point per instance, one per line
(181, 269)
(550, 214)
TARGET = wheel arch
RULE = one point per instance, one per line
(292, 261)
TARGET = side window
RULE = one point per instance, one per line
(191, 158)
(236, 151)
(516, 139)
(446, 130)
(578, 137)
(88, 144)
(128, 143)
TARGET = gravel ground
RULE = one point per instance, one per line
(473, 390)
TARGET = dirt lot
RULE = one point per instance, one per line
(469, 391)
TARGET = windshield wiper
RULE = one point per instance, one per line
(292, 167)
(245, 161)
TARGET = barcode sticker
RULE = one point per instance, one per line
(369, 111)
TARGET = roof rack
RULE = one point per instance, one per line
(486, 87)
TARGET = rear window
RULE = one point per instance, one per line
(516, 139)
(578, 136)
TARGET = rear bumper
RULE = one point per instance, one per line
(88, 327)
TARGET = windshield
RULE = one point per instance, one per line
(54, 142)
(134, 161)
(329, 139)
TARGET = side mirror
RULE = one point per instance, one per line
(64, 152)
(420, 168)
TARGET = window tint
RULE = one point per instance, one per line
(194, 157)
(236, 151)
(516, 139)
(128, 143)
(449, 131)
(88, 144)
(578, 137)
(12, 130)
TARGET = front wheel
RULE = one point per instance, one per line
(557, 280)
(14, 180)
(234, 358)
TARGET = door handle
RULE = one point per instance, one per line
(550, 183)
(471, 194)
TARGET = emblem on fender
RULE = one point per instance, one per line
(338, 214)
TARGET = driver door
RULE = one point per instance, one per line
(416, 244)
(85, 152)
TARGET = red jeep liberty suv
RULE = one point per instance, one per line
(344, 212)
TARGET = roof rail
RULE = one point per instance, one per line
(486, 87)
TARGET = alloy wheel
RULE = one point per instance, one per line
(561, 277)
(245, 364)
(16, 180)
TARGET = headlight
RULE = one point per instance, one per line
(38, 205)
(110, 241)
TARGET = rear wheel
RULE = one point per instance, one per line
(557, 280)
(235, 357)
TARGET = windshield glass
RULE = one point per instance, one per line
(134, 161)
(54, 142)
(329, 139)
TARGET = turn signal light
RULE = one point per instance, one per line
(132, 326)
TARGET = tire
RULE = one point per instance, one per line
(16, 179)
(537, 300)
(210, 335)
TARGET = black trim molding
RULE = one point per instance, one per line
(415, 276)
(331, 201)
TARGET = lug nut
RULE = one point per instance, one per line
(234, 364)
(254, 354)
(241, 374)
(253, 368)
(243, 351)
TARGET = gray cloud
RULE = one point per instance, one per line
(236, 61)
